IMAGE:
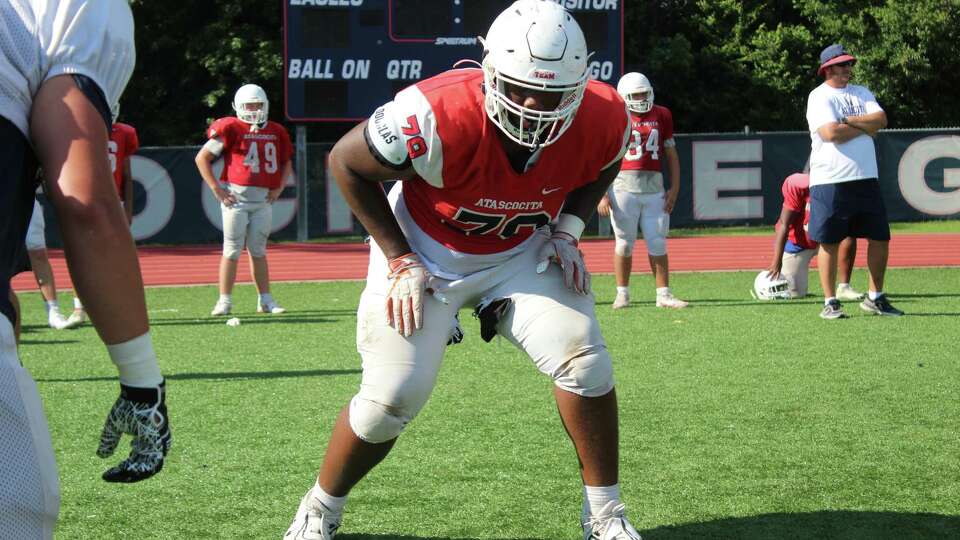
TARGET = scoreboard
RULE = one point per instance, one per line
(345, 58)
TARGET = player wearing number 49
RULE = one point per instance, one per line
(486, 160)
(256, 163)
(638, 195)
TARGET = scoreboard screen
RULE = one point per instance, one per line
(345, 58)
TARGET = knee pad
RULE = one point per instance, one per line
(656, 246)
(589, 374)
(624, 246)
(374, 422)
(231, 250)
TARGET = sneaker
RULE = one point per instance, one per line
(621, 301)
(56, 320)
(75, 319)
(313, 521)
(670, 301)
(222, 308)
(846, 293)
(610, 524)
(833, 310)
(880, 306)
(270, 307)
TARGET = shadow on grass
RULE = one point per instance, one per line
(48, 341)
(832, 524)
(224, 376)
(839, 524)
(252, 318)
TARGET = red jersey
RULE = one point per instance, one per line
(252, 158)
(466, 195)
(796, 197)
(122, 144)
(649, 131)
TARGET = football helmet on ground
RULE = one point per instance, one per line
(765, 288)
(634, 83)
(535, 45)
(245, 104)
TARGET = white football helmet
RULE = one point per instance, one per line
(247, 94)
(765, 288)
(537, 45)
(636, 83)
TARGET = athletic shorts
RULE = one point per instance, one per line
(847, 209)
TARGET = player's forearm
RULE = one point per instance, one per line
(870, 123)
(838, 133)
(582, 202)
(369, 204)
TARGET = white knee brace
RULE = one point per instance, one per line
(373, 422)
(589, 374)
(624, 246)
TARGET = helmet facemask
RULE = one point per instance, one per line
(534, 46)
(250, 95)
(634, 83)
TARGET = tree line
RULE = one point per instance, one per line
(719, 65)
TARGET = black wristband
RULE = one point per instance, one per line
(150, 395)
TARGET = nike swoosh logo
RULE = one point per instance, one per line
(547, 191)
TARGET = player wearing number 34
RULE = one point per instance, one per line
(487, 159)
(256, 164)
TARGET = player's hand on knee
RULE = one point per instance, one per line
(408, 281)
(142, 414)
(562, 249)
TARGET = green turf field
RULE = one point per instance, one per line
(739, 419)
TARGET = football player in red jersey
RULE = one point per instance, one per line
(637, 194)
(256, 154)
(487, 159)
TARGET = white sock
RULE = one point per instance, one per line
(874, 295)
(52, 305)
(596, 497)
(77, 304)
(828, 300)
(623, 290)
(334, 504)
(843, 285)
(663, 291)
(226, 299)
(266, 298)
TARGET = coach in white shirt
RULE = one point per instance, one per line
(845, 197)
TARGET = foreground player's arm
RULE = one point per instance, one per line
(70, 138)
(359, 175)
(127, 191)
(209, 153)
(787, 216)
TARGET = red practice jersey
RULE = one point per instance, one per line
(252, 158)
(466, 195)
(122, 144)
(649, 131)
(796, 197)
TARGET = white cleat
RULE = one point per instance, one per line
(621, 301)
(670, 301)
(221, 308)
(313, 521)
(75, 319)
(56, 320)
(610, 524)
(846, 293)
(272, 308)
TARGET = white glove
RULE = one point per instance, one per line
(142, 413)
(562, 249)
(408, 281)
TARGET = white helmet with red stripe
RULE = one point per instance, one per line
(534, 45)
(251, 104)
(636, 91)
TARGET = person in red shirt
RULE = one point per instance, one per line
(486, 160)
(256, 164)
(793, 249)
(637, 196)
(123, 144)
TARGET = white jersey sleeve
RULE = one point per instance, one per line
(40, 39)
(403, 133)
